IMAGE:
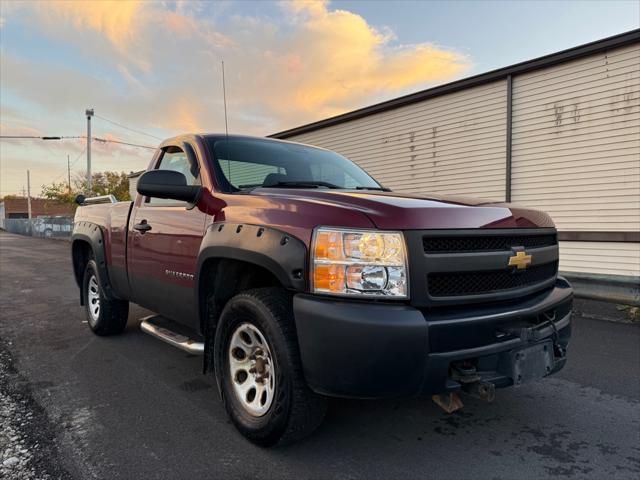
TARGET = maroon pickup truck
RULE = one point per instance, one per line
(299, 277)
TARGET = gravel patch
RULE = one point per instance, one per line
(27, 438)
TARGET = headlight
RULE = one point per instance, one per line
(359, 262)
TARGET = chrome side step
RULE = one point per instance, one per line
(178, 340)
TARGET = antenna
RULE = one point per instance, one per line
(224, 98)
(226, 125)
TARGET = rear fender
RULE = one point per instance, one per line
(91, 234)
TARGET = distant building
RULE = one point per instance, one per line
(133, 181)
(17, 207)
(560, 133)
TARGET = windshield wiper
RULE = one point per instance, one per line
(301, 183)
(382, 189)
(307, 184)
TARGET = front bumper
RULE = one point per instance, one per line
(377, 350)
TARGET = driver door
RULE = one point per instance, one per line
(164, 241)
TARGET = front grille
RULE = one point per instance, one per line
(453, 284)
(485, 243)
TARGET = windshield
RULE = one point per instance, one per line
(250, 163)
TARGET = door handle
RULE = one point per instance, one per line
(142, 227)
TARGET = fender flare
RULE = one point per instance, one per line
(282, 254)
(278, 252)
(92, 234)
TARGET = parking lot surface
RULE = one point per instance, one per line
(131, 407)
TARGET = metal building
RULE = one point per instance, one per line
(560, 133)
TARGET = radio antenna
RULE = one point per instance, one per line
(224, 99)
(226, 125)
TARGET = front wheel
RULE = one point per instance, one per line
(105, 316)
(258, 369)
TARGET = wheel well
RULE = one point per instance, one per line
(220, 280)
(81, 252)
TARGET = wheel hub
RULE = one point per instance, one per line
(251, 369)
(93, 299)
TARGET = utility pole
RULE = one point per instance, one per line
(68, 173)
(89, 113)
(29, 194)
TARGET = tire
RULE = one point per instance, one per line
(105, 316)
(292, 411)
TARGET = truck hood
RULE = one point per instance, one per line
(397, 211)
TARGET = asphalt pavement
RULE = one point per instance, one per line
(132, 407)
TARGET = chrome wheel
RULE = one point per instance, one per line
(93, 299)
(251, 369)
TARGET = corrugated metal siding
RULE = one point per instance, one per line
(575, 150)
(600, 258)
(576, 153)
(576, 141)
(451, 144)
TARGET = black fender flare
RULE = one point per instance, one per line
(278, 252)
(282, 254)
(92, 234)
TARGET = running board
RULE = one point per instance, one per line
(151, 326)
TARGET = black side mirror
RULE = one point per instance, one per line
(168, 184)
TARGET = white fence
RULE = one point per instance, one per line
(44, 227)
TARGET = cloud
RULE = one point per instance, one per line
(156, 65)
(311, 62)
(115, 19)
(336, 60)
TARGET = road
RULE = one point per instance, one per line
(131, 407)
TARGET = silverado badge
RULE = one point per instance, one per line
(520, 260)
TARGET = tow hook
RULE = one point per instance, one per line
(450, 402)
(482, 390)
(466, 374)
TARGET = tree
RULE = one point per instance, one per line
(102, 183)
(59, 191)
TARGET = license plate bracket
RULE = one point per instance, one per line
(532, 362)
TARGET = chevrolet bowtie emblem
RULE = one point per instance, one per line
(520, 260)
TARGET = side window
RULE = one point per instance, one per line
(174, 158)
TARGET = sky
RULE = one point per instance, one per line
(155, 67)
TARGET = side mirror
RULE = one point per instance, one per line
(168, 184)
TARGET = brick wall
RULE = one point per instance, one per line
(17, 207)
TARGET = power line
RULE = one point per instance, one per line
(78, 157)
(127, 128)
(97, 139)
(41, 137)
(105, 140)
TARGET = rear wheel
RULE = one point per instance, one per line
(258, 369)
(105, 316)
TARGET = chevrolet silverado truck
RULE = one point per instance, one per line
(299, 277)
